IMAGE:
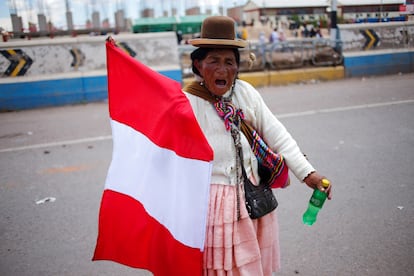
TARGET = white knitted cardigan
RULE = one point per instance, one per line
(262, 119)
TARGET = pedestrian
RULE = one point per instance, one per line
(237, 244)
(312, 32)
(262, 47)
(274, 39)
(244, 33)
(305, 32)
(318, 33)
(179, 35)
(282, 39)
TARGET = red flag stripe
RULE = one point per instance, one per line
(125, 227)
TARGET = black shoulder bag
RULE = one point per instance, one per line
(260, 199)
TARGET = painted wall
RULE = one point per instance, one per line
(377, 48)
(67, 70)
(376, 36)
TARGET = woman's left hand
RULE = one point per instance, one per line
(314, 181)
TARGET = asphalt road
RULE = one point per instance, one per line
(358, 132)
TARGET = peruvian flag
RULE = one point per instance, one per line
(154, 205)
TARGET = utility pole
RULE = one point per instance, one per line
(334, 31)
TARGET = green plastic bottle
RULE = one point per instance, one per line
(315, 204)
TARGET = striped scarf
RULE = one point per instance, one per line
(229, 113)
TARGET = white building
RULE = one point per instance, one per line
(276, 11)
(369, 10)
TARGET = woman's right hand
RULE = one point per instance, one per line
(314, 181)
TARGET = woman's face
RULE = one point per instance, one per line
(219, 70)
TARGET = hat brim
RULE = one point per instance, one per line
(218, 43)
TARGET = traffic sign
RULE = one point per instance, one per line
(20, 62)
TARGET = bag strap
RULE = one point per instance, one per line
(199, 90)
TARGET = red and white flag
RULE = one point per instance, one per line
(154, 206)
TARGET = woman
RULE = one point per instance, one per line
(235, 243)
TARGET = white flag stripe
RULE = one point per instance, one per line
(174, 190)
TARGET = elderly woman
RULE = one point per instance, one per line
(235, 243)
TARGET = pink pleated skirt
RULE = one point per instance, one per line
(246, 247)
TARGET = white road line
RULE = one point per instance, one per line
(285, 115)
(60, 143)
(339, 109)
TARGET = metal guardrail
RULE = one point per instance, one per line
(288, 54)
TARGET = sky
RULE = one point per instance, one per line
(54, 10)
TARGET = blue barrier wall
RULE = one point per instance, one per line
(378, 63)
(377, 48)
(46, 72)
(43, 93)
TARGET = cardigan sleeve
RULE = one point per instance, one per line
(272, 130)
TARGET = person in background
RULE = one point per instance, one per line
(318, 33)
(244, 32)
(282, 39)
(305, 31)
(274, 39)
(179, 34)
(262, 48)
(312, 32)
(236, 244)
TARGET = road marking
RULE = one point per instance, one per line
(67, 169)
(60, 143)
(340, 109)
(285, 115)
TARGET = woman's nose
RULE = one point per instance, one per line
(221, 68)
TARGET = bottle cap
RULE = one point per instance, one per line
(325, 183)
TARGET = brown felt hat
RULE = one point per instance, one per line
(218, 32)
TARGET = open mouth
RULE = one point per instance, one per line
(221, 83)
